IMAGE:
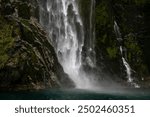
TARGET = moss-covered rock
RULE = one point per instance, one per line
(6, 41)
(107, 47)
(132, 17)
(27, 58)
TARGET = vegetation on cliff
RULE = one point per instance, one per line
(132, 17)
(27, 59)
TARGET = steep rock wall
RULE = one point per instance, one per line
(27, 59)
(132, 17)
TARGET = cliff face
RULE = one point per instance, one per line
(132, 17)
(27, 59)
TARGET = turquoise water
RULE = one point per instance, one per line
(78, 94)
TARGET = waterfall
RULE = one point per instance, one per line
(125, 63)
(63, 22)
(91, 59)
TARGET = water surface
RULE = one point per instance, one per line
(77, 94)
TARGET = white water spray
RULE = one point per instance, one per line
(66, 31)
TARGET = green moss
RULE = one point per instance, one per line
(140, 2)
(112, 52)
(6, 41)
(106, 42)
(135, 54)
(102, 14)
(132, 45)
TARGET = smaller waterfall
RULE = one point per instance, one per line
(91, 53)
(125, 63)
(90, 58)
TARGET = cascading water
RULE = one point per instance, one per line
(91, 59)
(126, 64)
(66, 31)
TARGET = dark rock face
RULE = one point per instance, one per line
(27, 59)
(132, 17)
